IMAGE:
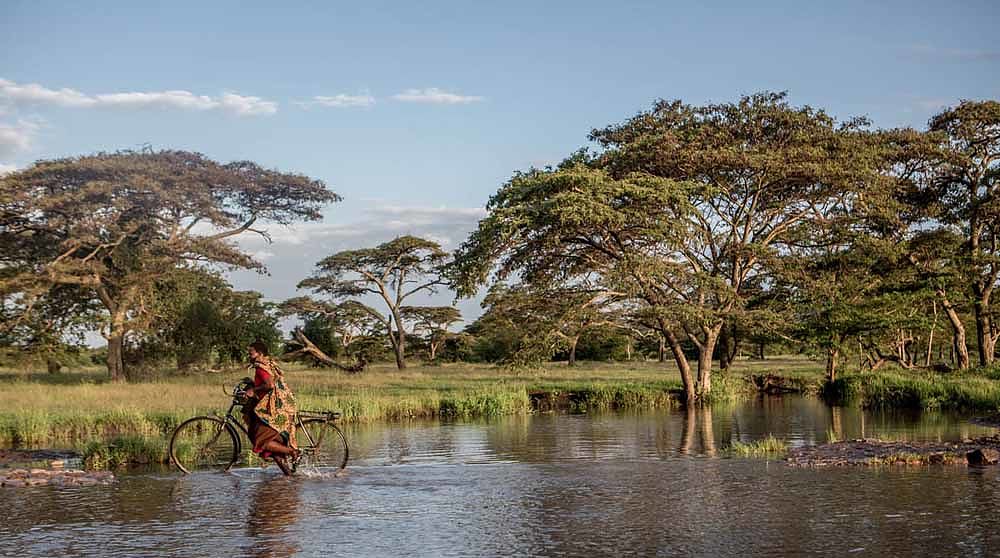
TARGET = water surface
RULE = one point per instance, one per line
(554, 485)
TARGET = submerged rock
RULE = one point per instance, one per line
(983, 456)
(882, 453)
(17, 478)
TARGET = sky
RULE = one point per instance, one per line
(417, 112)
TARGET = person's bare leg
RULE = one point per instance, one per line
(279, 460)
(277, 447)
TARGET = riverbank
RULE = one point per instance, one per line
(972, 390)
(67, 409)
(114, 424)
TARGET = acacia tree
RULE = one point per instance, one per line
(684, 208)
(112, 224)
(393, 271)
(965, 184)
(433, 321)
(763, 168)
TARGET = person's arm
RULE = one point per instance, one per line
(265, 387)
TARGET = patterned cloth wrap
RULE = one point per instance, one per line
(277, 407)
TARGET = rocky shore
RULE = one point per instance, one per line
(977, 452)
(16, 478)
(20, 468)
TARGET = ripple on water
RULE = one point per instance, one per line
(643, 484)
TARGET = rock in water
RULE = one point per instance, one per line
(983, 456)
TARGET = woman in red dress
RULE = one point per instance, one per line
(270, 410)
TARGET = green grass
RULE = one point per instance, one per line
(75, 408)
(125, 450)
(766, 447)
(968, 391)
(910, 458)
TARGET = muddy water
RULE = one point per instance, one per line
(610, 484)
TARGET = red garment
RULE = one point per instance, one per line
(259, 432)
(260, 377)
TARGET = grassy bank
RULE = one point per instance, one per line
(113, 423)
(972, 390)
(74, 408)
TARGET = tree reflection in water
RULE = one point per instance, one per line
(274, 507)
(697, 419)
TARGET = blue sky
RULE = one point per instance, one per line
(416, 112)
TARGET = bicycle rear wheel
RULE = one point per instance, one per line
(323, 445)
(204, 443)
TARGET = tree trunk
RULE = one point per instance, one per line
(728, 345)
(628, 349)
(682, 363)
(831, 364)
(958, 336)
(983, 337)
(53, 365)
(760, 351)
(434, 347)
(116, 363)
(705, 352)
(572, 350)
(398, 344)
(661, 353)
(724, 339)
(930, 336)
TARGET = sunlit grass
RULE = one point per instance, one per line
(765, 447)
(918, 390)
(70, 408)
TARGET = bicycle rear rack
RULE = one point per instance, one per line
(330, 415)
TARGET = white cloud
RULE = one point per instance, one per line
(245, 105)
(342, 101)
(34, 93)
(17, 137)
(377, 224)
(261, 255)
(421, 215)
(436, 96)
(5, 169)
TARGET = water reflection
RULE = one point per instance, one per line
(274, 507)
(696, 431)
(603, 484)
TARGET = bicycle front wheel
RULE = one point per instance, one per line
(204, 443)
(323, 445)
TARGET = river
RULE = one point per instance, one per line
(550, 485)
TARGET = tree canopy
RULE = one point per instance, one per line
(682, 209)
(393, 271)
(112, 224)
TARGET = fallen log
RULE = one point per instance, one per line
(310, 350)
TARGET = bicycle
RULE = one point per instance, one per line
(212, 442)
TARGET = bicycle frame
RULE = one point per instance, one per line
(234, 421)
